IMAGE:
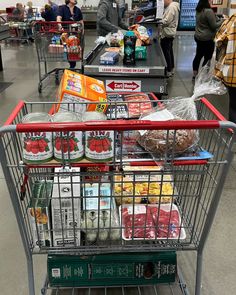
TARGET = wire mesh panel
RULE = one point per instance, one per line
(59, 41)
(138, 200)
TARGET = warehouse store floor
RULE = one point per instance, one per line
(219, 270)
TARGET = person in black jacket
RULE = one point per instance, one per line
(207, 24)
(48, 14)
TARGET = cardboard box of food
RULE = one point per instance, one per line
(65, 207)
(39, 214)
(112, 269)
(76, 88)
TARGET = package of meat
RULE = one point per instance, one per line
(138, 224)
(149, 222)
(138, 104)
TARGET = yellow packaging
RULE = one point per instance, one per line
(75, 88)
(141, 183)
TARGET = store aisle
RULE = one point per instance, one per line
(21, 68)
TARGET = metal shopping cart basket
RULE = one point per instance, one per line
(128, 204)
(57, 42)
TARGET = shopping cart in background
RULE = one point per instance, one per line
(176, 200)
(57, 42)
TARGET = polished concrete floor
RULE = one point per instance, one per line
(219, 268)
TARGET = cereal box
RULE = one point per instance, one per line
(76, 88)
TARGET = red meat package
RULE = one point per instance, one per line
(140, 104)
(138, 223)
(151, 222)
(167, 221)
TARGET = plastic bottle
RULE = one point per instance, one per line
(129, 48)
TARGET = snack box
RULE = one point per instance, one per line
(109, 58)
(95, 173)
(151, 222)
(39, 214)
(75, 89)
(143, 184)
(66, 207)
(112, 269)
(140, 52)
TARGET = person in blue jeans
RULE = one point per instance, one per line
(70, 12)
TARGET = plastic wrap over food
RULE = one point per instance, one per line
(166, 141)
(179, 108)
(151, 222)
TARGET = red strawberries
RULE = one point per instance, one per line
(99, 144)
(36, 145)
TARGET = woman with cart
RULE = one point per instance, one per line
(70, 12)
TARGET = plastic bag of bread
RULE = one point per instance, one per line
(178, 141)
(141, 34)
(166, 141)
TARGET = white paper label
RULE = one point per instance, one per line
(163, 115)
(56, 272)
(123, 70)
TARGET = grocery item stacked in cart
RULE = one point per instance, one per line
(104, 192)
(58, 41)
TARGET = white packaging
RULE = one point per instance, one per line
(65, 207)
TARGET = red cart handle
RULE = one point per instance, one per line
(118, 125)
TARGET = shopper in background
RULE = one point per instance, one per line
(18, 13)
(207, 24)
(121, 5)
(225, 67)
(29, 10)
(108, 18)
(54, 6)
(168, 33)
(70, 12)
(48, 14)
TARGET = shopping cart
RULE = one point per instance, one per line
(57, 42)
(186, 190)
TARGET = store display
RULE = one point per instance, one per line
(149, 222)
(112, 269)
(39, 214)
(99, 145)
(80, 93)
(37, 146)
(66, 207)
(68, 145)
(187, 18)
(129, 48)
(143, 184)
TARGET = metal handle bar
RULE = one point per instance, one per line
(118, 125)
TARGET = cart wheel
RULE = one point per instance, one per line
(40, 88)
(43, 291)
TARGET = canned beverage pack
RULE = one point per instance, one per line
(99, 145)
(37, 146)
(68, 145)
